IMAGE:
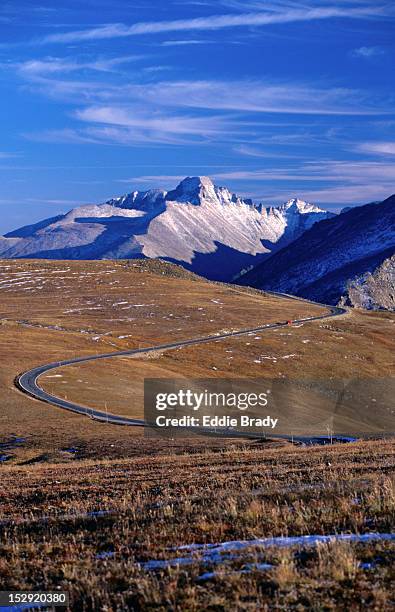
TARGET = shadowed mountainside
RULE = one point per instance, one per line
(320, 264)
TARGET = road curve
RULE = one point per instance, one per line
(28, 381)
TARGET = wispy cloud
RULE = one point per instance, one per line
(330, 171)
(382, 148)
(56, 65)
(204, 112)
(247, 95)
(184, 112)
(281, 5)
(261, 96)
(182, 43)
(343, 182)
(62, 136)
(249, 151)
(167, 124)
(117, 126)
(368, 52)
(362, 193)
(159, 68)
(217, 22)
(74, 78)
(72, 90)
(353, 171)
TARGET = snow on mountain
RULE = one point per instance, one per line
(320, 264)
(204, 227)
(201, 218)
(140, 200)
(299, 206)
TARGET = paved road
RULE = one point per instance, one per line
(28, 381)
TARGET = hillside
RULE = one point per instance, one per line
(320, 264)
(54, 310)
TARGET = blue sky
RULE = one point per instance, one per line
(273, 99)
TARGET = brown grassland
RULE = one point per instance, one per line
(53, 537)
(54, 310)
(85, 506)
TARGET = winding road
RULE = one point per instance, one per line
(28, 381)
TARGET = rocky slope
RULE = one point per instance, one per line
(373, 291)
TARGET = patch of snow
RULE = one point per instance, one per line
(211, 554)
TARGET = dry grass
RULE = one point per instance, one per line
(150, 505)
(360, 345)
(54, 310)
(337, 561)
(144, 301)
(70, 520)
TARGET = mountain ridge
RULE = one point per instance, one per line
(320, 264)
(204, 227)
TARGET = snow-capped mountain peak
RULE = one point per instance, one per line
(198, 190)
(206, 228)
(193, 189)
(300, 206)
